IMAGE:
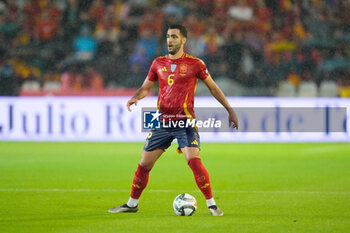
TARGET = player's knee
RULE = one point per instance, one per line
(189, 156)
(190, 153)
(188, 159)
(194, 162)
(147, 164)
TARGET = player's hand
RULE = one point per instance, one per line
(233, 120)
(131, 102)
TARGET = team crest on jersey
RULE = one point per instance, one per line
(183, 69)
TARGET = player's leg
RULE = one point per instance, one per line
(189, 144)
(200, 173)
(156, 143)
(201, 176)
(140, 181)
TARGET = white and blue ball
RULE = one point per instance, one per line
(185, 204)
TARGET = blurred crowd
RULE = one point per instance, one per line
(94, 44)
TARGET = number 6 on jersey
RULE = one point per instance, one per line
(170, 80)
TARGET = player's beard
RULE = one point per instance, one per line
(176, 48)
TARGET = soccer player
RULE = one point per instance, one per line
(177, 74)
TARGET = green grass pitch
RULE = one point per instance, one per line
(68, 187)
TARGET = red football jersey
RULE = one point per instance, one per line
(177, 84)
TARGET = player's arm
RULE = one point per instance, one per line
(219, 95)
(141, 93)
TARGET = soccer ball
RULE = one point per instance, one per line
(185, 205)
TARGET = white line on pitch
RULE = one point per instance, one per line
(324, 149)
(170, 191)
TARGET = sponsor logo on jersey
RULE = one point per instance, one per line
(164, 68)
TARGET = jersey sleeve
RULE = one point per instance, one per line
(152, 73)
(202, 72)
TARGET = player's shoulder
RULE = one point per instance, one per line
(159, 61)
(193, 59)
(160, 58)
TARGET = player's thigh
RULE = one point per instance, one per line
(158, 139)
(189, 142)
(190, 152)
(149, 158)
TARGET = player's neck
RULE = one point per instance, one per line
(177, 55)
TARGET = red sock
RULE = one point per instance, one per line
(140, 181)
(201, 176)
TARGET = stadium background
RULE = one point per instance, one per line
(251, 46)
(71, 59)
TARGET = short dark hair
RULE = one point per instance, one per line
(181, 28)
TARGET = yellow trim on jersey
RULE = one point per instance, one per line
(196, 58)
(190, 56)
(191, 118)
(188, 114)
(161, 57)
(195, 87)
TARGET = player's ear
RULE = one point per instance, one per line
(183, 40)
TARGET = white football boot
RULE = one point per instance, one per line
(123, 209)
(215, 211)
